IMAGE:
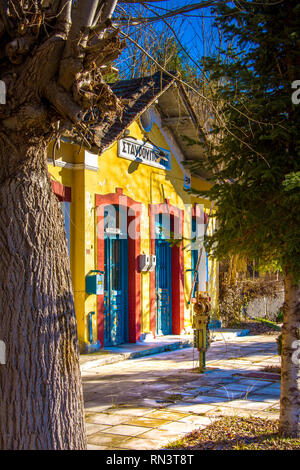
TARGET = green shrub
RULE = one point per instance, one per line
(279, 316)
(270, 323)
(279, 344)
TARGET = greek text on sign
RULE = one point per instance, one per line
(2, 352)
(144, 152)
(2, 92)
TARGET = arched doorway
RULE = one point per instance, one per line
(163, 276)
(167, 280)
(115, 276)
(118, 249)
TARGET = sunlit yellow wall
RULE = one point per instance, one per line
(144, 184)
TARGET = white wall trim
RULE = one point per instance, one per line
(91, 160)
(72, 166)
(90, 163)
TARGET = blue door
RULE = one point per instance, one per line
(115, 290)
(163, 280)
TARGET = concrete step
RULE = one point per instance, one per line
(131, 351)
(157, 345)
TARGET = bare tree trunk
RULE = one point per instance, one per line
(41, 403)
(50, 65)
(290, 368)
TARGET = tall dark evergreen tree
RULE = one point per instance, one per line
(256, 148)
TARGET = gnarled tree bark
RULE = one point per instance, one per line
(41, 402)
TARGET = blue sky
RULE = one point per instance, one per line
(194, 29)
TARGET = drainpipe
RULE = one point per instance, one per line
(90, 326)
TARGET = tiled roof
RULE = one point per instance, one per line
(137, 95)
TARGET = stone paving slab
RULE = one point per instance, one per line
(209, 400)
(92, 428)
(168, 414)
(108, 440)
(126, 430)
(145, 444)
(247, 404)
(94, 407)
(218, 412)
(94, 447)
(229, 394)
(148, 422)
(240, 387)
(178, 428)
(267, 391)
(147, 402)
(267, 415)
(264, 398)
(164, 435)
(157, 345)
(130, 412)
(191, 408)
(102, 418)
(274, 407)
(197, 420)
(129, 351)
(274, 386)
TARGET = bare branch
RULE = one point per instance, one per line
(104, 19)
(82, 20)
(108, 9)
(2, 28)
(187, 85)
(83, 16)
(141, 1)
(4, 16)
(104, 51)
(171, 13)
(64, 20)
(98, 14)
(19, 47)
(53, 10)
(62, 101)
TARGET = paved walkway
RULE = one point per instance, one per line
(147, 402)
(131, 351)
(110, 355)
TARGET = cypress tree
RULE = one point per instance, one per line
(254, 159)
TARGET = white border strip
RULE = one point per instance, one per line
(72, 166)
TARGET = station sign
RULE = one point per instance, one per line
(144, 152)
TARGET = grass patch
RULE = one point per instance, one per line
(237, 433)
(270, 323)
(259, 326)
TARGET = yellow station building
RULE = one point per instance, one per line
(122, 202)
